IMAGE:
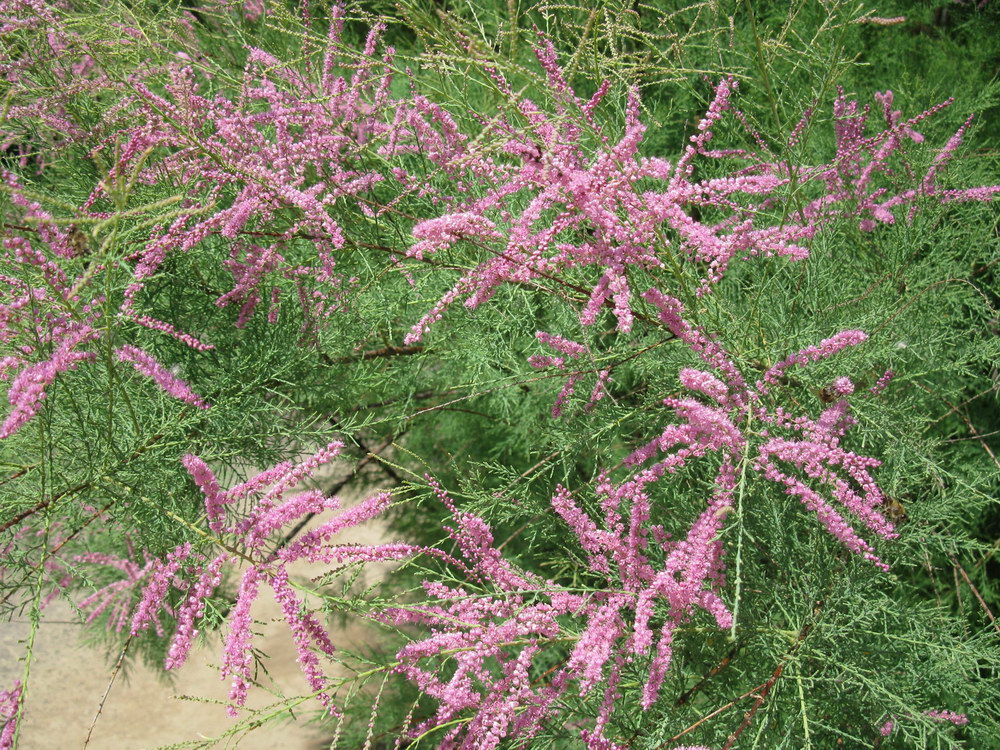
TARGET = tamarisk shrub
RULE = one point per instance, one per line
(250, 534)
(647, 481)
(617, 623)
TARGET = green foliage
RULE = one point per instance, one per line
(841, 646)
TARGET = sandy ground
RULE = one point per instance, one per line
(140, 711)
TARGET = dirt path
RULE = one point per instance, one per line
(141, 711)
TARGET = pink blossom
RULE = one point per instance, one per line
(27, 391)
(827, 348)
(147, 365)
(850, 179)
(155, 593)
(215, 498)
(594, 194)
(237, 658)
(945, 715)
(193, 609)
(10, 709)
(247, 539)
(442, 232)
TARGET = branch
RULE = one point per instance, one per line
(78, 488)
(388, 351)
(975, 592)
(371, 456)
(686, 696)
(764, 689)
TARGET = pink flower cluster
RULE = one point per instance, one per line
(41, 314)
(850, 180)
(602, 216)
(583, 206)
(814, 448)
(114, 599)
(945, 715)
(937, 714)
(286, 141)
(10, 706)
(147, 365)
(572, 350)
(55, 320)
(246, 544)
(493, 639)
(27, 390)
(36, 40)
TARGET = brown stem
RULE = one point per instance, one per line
(387, 351)
(82, 526)
(371, 456)
(73, 490)
(711, 715)
(107, 691)
(975, 592)
(42, 505)
(766, 688)
(686, 696)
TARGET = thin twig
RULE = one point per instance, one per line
(975, 592)
(765, 689)
(82, 526)
(686, 696)
(388, 351)
(711, 715)
(42, 505)
(968, 422)
(80, 487)
(371, 456)
(107, 690)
